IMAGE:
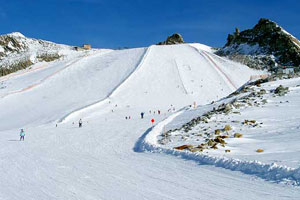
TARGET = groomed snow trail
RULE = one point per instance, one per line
(82, 83)
(99, 161)
(114, 90)
(42, 80)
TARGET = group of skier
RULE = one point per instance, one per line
(22, 132)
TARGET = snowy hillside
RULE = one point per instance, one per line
(253, 131)
(104, 159)
(19, 52)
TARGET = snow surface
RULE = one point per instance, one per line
(104, 159)
(280, 160)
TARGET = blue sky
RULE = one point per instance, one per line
(137, 23)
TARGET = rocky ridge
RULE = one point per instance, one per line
(19, 52)
(176, 38)
(210, 131)
(265, 46)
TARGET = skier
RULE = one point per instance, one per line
(152, 121)
(158, 112)
(22, 134)
(142, 115)
(80, 123)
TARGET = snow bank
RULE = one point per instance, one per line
(271, 172)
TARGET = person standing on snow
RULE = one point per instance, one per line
(80, 123)
(152, 121)
(142, 115)
(22, 134)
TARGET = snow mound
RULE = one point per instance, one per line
(271, 172)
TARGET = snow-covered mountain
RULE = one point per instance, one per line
(19, 52)
(108, 157)
(104, 158)
(265, 46)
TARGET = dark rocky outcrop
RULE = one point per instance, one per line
(281, 91)
(265, 46)
(15, 67)
(176, 38)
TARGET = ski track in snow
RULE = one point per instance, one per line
(180, 78)
(214, 63)
(207, 57)
(41, 81)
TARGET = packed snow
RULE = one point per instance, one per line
(106, 158)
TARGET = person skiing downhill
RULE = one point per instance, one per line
(22, 134)
(80, 123)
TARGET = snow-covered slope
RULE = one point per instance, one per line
(102, 160)
(259, 117)
(174, 76)
(65, 86)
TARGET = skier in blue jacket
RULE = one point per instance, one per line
(22, 134)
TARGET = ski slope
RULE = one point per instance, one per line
(61, 91)
(176, 75)
(101, 160)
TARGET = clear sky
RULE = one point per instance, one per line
(138, 23)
